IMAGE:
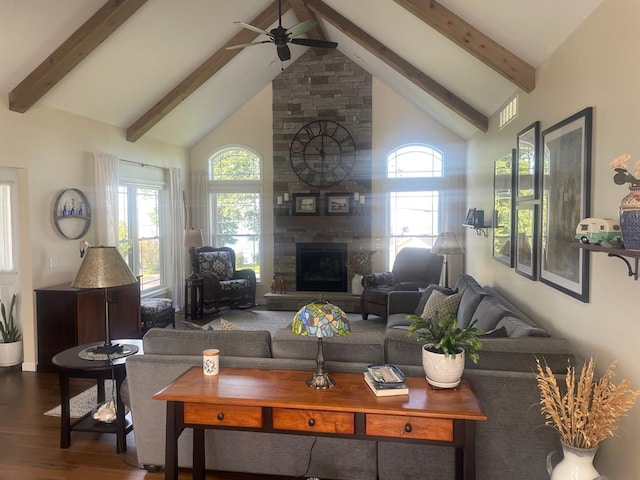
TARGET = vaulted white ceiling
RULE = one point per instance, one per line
(165, 41)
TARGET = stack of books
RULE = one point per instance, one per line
(385, 380)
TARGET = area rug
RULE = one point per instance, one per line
(83, 402)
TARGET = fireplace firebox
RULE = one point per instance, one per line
(321, 267)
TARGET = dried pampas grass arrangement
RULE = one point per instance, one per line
(587, 413)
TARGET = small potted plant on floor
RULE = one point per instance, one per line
(445, 347)
(11, 348)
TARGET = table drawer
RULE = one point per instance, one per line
(342, 423)
(222, 415)
(418, 428)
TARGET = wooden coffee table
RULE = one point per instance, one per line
(278, 401)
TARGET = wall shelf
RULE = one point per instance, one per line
(620, 253)
(480, 229)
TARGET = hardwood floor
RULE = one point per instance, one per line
(30, 441)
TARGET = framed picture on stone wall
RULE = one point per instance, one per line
(305, 203)
(338, 204)
(566, 182)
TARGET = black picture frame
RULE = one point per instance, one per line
(566, 200)
(338, 204)
(526, 240)
(305, 203)
(503, 208)
(527, 164)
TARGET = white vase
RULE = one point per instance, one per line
(442, 371)
(10, 354)
(356, 284)
(577, 464)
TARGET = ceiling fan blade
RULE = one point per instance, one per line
(301, 28)
(284, 53)
(236, 47)
(252, 28)
(310, 42)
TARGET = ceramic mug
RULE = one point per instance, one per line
(211, 361)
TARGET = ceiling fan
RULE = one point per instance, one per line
(281, 36)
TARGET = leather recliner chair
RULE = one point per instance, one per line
(413, 268)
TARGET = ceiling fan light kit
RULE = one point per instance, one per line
(281, 37)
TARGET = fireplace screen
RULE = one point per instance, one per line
(321, 267)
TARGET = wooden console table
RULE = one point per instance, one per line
(278, 401)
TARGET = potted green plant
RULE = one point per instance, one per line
(11, 348)
(445, 347)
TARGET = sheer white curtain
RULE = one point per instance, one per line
(174, 252)
(200, 205)
(105, 209)
(6, 228)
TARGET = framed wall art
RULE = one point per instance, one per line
(338, 204)
(526, 244)
(527, 163)
(503, 193)
(566, 200)
(305, 204)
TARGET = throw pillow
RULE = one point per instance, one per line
(427, 293)
(227, 325)
(445, 305)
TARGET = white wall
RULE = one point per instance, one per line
(249, 126)
(597, 66)
(51, 151)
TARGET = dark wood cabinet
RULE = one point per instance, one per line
(67, 317)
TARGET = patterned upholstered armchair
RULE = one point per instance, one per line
(223, 285)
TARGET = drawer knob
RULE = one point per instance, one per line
(220, 416)
(311, 422)
(407, 428)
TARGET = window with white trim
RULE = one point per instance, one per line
(413, 185)
(235, 199)
(140, 225)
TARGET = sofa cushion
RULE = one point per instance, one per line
(442, 305)
(464, 281)
(517, 328)
(495, 333)
(427, 293)
(471, 298)
(363, 347)
(240, 343)
(489, 312)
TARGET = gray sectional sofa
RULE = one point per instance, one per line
(512, 443)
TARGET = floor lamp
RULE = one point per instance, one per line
(447, 244)
(104, 267)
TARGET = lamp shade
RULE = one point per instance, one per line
(321, 319)
(193, 238)
(447, 244)
(103, 267)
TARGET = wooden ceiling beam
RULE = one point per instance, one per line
(400, 65)
(203, 73)
(466, 36)
(303, 13)
(72, 51)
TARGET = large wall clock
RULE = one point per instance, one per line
(322, 153)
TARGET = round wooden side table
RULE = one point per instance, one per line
(70, 365)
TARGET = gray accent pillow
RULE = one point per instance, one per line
(470, 300)
(516, 328)
(495, 333)
(427, 293)
(489, 312)
(443, 305)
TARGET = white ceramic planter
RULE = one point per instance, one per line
(356, 284)
(10, 354)
(442, 371)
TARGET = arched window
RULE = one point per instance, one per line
(235, 192)
(413, 185)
